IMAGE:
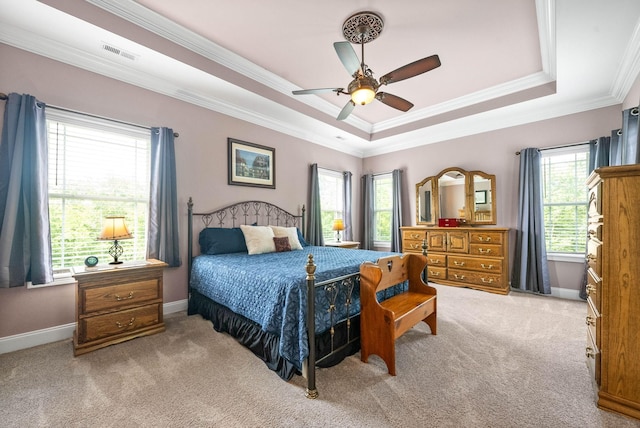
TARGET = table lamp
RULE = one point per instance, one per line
(338, 225)
(114, 229)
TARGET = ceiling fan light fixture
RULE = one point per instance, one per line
(363, 90)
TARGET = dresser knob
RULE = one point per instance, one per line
(457, 263)
(483, 251)
(434, 262)
(432, 273)
(487, 281)
(458, 276)
(590, 321)
(589, 352)
(488, 267)
(591, 289)
(481, 239)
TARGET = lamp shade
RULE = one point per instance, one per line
(114, 228)
(338, 224)
(363, 96)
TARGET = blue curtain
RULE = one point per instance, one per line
(347, 198)
(25, 238)
(367, 212)
(630, 144)
(396, 213)
(530, 269)
(314, 229)
(163, 239)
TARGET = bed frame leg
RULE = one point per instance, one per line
(311, 392)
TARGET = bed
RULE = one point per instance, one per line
(295, 308)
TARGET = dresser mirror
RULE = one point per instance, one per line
(456, 193)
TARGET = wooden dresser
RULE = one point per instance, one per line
(613, 310)
(471, 257)
(114, 304)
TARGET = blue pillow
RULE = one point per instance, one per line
(218, 240)
(301, 239)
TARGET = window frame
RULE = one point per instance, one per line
(328, 233)
(139, 198)
(571, 257)
(376, 210)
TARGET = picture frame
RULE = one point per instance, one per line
(481, 197)
(251, 164)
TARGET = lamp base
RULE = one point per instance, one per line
(338, 236)
(115, 262)
(115, 251)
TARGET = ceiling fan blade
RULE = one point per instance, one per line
(346, 110)
(348, 56)
(394, 101)
(315, 91)
(410, 70)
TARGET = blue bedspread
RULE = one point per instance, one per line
(270, 289)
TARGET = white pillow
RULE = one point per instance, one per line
(259, 239)
(289, 232)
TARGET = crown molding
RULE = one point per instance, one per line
(629, 69)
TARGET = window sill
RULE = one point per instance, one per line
(566, 257)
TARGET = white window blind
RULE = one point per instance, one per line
(97, 168)
(564, 175)
(331, 200)
(382, 188)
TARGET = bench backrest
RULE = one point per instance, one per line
(393, 270)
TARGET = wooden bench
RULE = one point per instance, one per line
(381, 323)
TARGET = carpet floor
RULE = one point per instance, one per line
(497, 361)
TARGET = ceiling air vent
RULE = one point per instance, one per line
(117, 51)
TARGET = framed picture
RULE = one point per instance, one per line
(251, 164)
(481, 197)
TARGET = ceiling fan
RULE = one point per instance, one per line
(362, 28)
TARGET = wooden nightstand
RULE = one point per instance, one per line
(114, 304)
(342, 244)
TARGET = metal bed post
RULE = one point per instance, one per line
(311, 392)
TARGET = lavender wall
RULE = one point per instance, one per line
(201, 156)
(201, 162)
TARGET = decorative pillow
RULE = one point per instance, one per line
(289, 232)
(218, 240)
(282, 244)
(259, 239)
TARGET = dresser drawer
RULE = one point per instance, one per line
(413, 235)
(94, 299)
(594, 289)
(594, 230)
(486, 250)
(594, 256)
(108, 325)
(436, 260)
(478, 278)
(595, 201)
(592, 353)
(435, 273)
(475, 263)
(485, 237)
(411, 246)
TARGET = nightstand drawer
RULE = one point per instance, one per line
(115, 296)
(127, 321)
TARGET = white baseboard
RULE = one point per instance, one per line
(565, 293)
(62, 332)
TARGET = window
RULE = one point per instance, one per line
(382, 208)
(564, 175)
(97, 168)
(331, 200)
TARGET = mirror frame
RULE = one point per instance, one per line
(470, 212)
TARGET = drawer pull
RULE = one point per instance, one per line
(483, 251)
(487, 281)
(591, 289)
(432, 273)
(591, 321)
(481, 239)
(414, 246)
(126, 325)
(591, 232)
(488, 267)
(457, 263)
(416, 236)
(434, 262)
(130, 296)
(458, 276)
(589, 352)
(591, 257)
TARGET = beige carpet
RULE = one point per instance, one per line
(498, 361)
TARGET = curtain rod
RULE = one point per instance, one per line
(558, 147)
(4, 97)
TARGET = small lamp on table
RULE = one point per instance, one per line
(114, 229)
(338, 225)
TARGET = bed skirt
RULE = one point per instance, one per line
(265, 345)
